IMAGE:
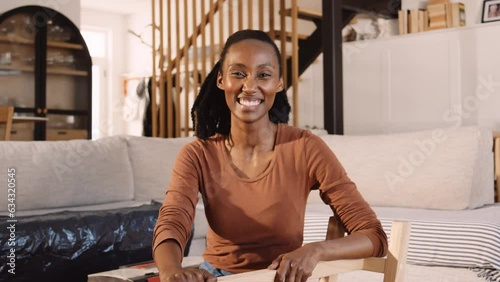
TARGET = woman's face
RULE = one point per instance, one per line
(250, 79)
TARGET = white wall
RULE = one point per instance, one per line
(69, 8)
(112, 123)
(139, 63)
(443, 78)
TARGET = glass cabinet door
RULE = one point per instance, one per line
(17, 70)
(67, 98)
(45, 72)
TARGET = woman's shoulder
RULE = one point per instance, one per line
(198, 144)
(289, 133)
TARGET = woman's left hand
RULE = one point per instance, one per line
(296, 266)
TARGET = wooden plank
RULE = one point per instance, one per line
(177, 76)
(305, 14)
(221, 23)
(272, 32)
(250, 14)
(168, 75)
(154, 116)
(288, 35)
(186, 69)
(203, 42)
(212, 33)
(398, 249)
(261, 14)
(161, 126)
(283, 43)
(240, 14)
(195, 51)
(230, 17)
(295, 63)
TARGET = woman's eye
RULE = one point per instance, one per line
(238, 74)
(264, 75)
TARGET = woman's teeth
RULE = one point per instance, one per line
(249, 103)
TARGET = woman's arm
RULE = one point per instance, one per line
(168, 257)
(297, 266)
(175, 220)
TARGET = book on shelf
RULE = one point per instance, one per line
(413, 21)
(437, 16)
(423, 20)
(403, 21)
(457, 14)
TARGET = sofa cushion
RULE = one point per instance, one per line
(152, 161)
(54, 174)
(448, 169)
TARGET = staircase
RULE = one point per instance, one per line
(221, 15)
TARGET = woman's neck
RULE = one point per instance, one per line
(246, 136)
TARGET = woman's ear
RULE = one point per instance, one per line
(219, 81)
(280, 85)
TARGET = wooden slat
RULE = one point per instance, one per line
(186, 69)
(305, 14)
(212, 33)
(295, 63)
(203, 42)
(240, 14)
(261, 14)
(168, 75)
(271, 19)
(177, 76)
(154, 116)
(161, 124)
(221, 23)
(283, 42)
(195, 53)
(6, 115)
(230, 17)
(250, 14)
(288, 36)
(398, 248)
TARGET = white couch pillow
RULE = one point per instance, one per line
(152, 161)
(448, 169)
(54, 174)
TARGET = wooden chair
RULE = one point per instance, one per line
(392, 266)
(6, 115)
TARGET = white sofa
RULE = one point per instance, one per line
(441, 180)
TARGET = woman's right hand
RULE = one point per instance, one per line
(187, 275)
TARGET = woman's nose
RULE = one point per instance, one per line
(249, 84)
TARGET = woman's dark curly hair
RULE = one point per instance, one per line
(210, 113)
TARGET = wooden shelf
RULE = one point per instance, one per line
(64, 45)
(66, 72)
(53, 44)
(16, 39)
(61, 71)
(17, 68)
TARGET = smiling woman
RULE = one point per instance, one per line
(254, 174)
(211, 113)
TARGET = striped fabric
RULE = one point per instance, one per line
(456, 244)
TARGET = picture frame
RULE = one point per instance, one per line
(491, 11)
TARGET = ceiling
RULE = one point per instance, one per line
(119, 7)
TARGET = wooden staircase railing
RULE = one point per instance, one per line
(205, 24)
(193, 26)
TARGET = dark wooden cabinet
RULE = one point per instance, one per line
(45, 71)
